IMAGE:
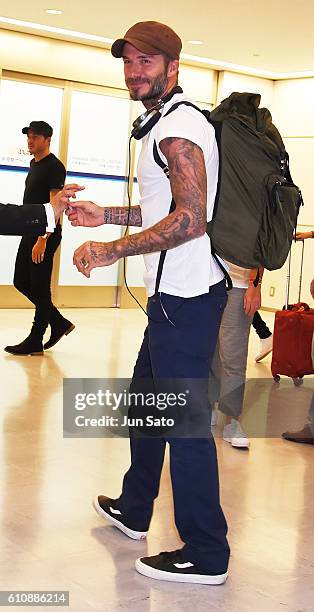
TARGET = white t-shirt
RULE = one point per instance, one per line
(239, 276)
(189, 269)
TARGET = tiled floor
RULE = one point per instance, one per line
(50, 537)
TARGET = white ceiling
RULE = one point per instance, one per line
(281, 33)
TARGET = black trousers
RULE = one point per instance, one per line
(260, 326)
(33, 280)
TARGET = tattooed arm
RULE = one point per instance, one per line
(89, 214)
(119, 215)
(188, 182)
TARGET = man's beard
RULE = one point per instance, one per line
(157, 88)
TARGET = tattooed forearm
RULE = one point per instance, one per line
(188, 182)
(167, 234)
(102, 254)
(118, 215)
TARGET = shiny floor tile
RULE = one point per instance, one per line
(50, 536)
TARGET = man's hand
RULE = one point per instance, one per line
(252, 300)
(61, 200)
(303, 235)
(38, 250)
(85, 213)
(95, 254)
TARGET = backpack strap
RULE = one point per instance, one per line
(159, 161)
(163, 254)
(165, 169)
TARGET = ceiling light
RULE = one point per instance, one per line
(234, 67)
(212, 63)
(54, 12)
(39, 27)
(195, 42)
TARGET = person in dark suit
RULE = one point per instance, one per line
(17, 220)
(35, 255)
(36, 219)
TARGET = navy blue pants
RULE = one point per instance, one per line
(182, 350)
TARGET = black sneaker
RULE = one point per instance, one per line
(172, 566)
(107, 508)
(304, 436)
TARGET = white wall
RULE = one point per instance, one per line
(292, 111)
(293, 107)
(232, 81)
(198, 83)
(59, 59)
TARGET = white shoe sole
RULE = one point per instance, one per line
(259, 358)
(237, 442)
(135, 535)
(151, 572)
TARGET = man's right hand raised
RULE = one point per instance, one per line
(85, 213)
(61, 201)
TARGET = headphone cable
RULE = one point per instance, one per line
(126, 231)
(124, 258)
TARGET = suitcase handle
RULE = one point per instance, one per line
(300, 307)
(288, 276)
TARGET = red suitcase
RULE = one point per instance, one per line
(293, 334)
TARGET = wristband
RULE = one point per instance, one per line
(254, 283)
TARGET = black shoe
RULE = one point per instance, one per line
(30, 346)
(172, 566)
(304, 436)
(107, 508)
(57, 331)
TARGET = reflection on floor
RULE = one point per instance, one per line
(50, 537)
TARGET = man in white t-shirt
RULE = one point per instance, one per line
(184, 309)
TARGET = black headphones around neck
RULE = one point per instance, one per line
(145, 122)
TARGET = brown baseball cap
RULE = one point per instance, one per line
(150, 37)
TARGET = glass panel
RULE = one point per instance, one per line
(99, 130)
(12, 184)
(102, 191)
(21, 103)
(97, 158)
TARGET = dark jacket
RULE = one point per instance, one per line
(22, 220)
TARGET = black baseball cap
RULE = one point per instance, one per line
(39, 127)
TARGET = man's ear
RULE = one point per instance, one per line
(173, 68)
